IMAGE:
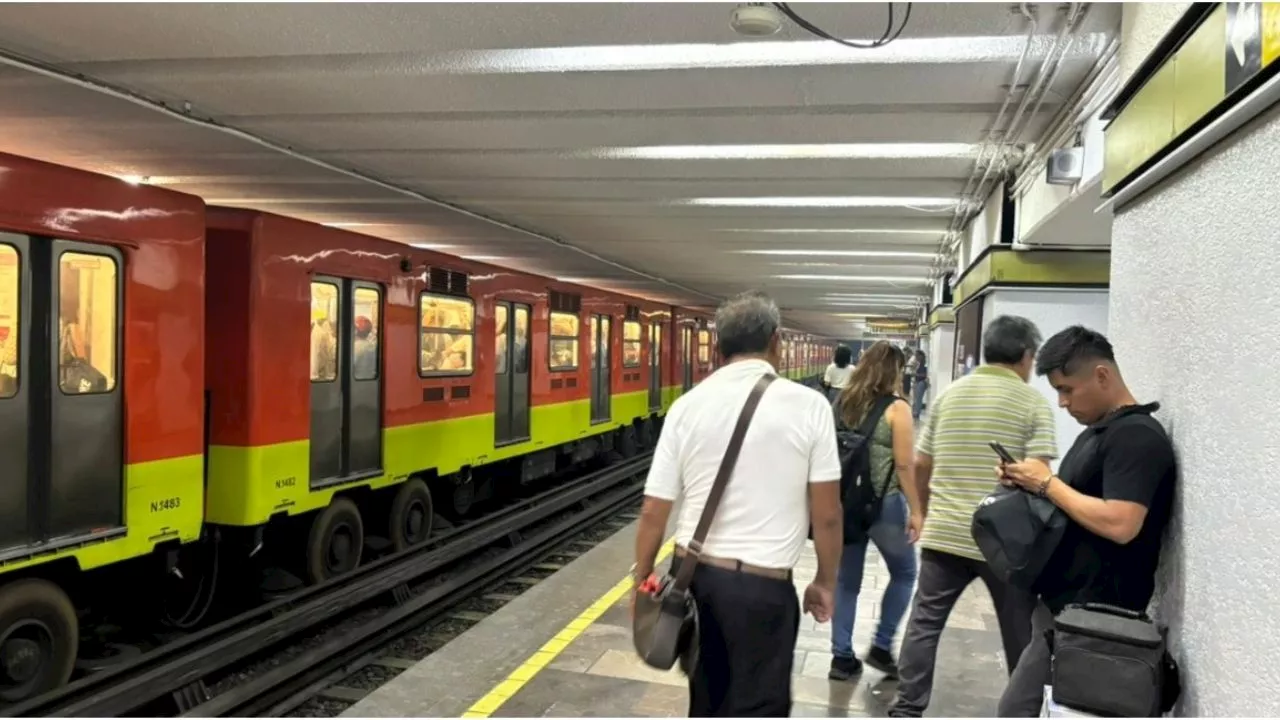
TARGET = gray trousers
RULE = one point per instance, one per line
(943, 577)
(1024, 695)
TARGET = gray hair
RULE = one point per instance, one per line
(1008, 339)
(746, 323)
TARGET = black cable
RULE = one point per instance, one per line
(885, 38)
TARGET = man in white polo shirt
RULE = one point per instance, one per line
(787, 475)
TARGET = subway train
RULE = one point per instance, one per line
(182, 385)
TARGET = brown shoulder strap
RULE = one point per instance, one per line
(685, 576)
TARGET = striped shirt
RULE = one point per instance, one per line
(989, 404)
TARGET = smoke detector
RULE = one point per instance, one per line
(755, 19)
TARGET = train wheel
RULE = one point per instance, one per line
(463, 497)
(335, 542)
(39, 636)
(627, 446)
(646, 433)
(411, 515)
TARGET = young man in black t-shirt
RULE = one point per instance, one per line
(1115, 484)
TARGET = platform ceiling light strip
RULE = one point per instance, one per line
(858, 278)
(867, 151)
(823, 202)
(755, 54)
(841, 253)
(833, 231)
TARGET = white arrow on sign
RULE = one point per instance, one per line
(1244, 29)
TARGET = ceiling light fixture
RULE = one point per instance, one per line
(857, 278)
(757, 54)
(833, 231)
(823, 202)
(868, 151)
(135, 179)
(841, 253)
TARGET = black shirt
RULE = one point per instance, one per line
(1125, 456)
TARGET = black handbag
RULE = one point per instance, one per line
(665, 625)
(1112, 662)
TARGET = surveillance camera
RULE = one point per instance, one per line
(756, 19)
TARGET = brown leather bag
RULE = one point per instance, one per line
(665, 626)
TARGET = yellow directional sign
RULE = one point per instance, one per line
(1227, 51)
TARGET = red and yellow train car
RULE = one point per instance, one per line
(167, 367)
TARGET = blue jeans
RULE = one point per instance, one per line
(917, 400)
(889, 533)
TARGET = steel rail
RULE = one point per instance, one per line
(173, 667)
(283, 688)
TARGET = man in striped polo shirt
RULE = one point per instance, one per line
(953, 466)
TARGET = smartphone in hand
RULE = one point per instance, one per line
(1003, 453)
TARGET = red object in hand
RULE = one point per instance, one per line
(650, 584)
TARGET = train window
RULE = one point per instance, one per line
(631, 343)
(564, 341)
(87, 322)
(364, 336)
(500, 339)
(324, 332)
(521, 358)
(446, 339)
(704, 347)
(9, 267)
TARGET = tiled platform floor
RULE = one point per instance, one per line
(599, 675)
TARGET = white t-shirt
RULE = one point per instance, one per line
(838, 377)
(763, 517)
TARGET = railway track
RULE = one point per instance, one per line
(379, 602)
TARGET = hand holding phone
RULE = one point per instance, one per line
(1005, 457)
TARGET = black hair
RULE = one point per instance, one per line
(1008, 339)
(843, 356)
(1065, 351)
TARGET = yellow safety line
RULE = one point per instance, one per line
(505, 690)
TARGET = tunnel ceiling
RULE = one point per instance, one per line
(652, 136)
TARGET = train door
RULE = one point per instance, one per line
(689, 352)
(61, 405)
(511, 373)
(600, 388)
(346, 380)
(655, 365)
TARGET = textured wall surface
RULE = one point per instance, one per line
(1142, 25)
(1051, 311)
(1195, 316)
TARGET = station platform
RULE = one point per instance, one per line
(563, 649)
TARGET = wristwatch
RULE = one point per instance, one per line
(1043, 490)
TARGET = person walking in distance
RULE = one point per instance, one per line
(874, 393)
(787, 476)
(837, 374)
(953, 470)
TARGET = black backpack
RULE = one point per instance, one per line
(1017, 533)
(858, 493)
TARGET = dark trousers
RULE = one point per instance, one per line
(943, 577)
(1024, 695)
(748, 626)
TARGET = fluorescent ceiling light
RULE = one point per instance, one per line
(350, 224)
(790, 151)
(431, 246)
(752, 54)
(856, 278)
(134, 179)
(833, 231)
(822, 202)
(842, 253)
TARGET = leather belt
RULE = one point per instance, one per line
(738, 566)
